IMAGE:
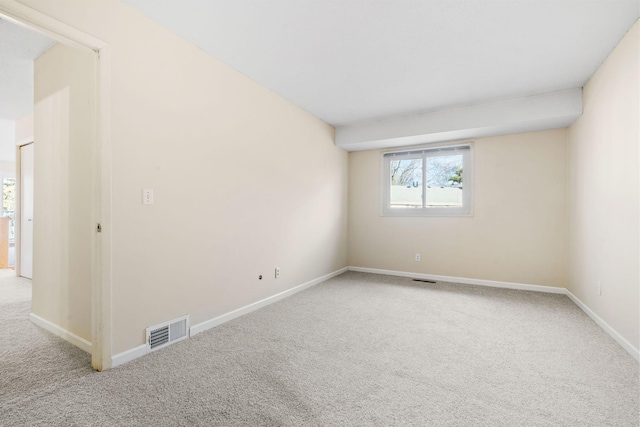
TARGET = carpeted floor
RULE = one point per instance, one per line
(360, 349)
(31, 359)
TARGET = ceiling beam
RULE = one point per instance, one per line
(547, 111)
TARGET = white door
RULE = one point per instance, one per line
(26, 210)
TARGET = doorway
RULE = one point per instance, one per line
(97, 209)
(26, 211)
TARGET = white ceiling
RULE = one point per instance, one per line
(353, 60)
(18, 48)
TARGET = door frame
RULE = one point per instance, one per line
(101, 262)
(17, 221)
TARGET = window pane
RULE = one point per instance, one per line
(444, 181)
(406, 183)
(9, 204)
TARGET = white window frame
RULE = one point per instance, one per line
(422, 152)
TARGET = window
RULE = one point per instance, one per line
(9, 204)
(432, 180)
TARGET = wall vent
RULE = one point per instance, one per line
(166, 333)
(423, 280)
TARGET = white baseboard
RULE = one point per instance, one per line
(81, 343)
(142, 350)
(134, 353)
(604, 325)
(201, 327)
(129, 355)
(465, 280)
(548, 289)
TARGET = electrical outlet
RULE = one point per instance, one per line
(417, 257)
(277, 272)
(260, 277)
(147, 196)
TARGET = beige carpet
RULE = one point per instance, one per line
(363, 349)
(31, 359)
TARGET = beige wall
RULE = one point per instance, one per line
(7, 170)
(516, 234)
(62, 189)
(244, 181)
(604, 192)
(7, 132)
(24, 129)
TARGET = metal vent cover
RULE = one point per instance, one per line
(158, 337)
(166, 333)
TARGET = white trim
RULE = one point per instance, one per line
(18, 212)
(465, 280)
(129, 355)
(142, 350)
(519, 286)
(216, 321)
(81, 343)
(25, 141)
(25, 16)
(605, 326)
(101, 282)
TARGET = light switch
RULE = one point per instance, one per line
(147, 196)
